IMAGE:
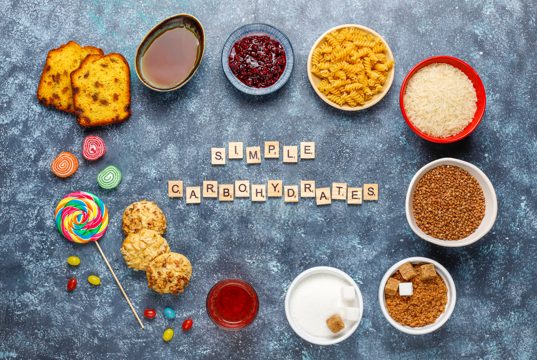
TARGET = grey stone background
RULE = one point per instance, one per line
(169, 137)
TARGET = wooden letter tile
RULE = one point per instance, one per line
(290, 154)
(235, 150)
(225, 192)
(259, 193)
(354, 196)
(272, 150)
(242, 189)
(322, 196)
(275, 188)
(307, 150)
(307, 188)
(210, 189)
(339, 191)
(218, 156)
(291, 193)
(371, 192)
(253, 155)
(175, 188)
(193, 195)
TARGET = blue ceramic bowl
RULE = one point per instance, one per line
(258, 29)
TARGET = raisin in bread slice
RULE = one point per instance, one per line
(101, 90)
(55, 84)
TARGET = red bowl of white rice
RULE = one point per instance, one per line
(442, 99)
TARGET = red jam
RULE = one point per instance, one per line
(257, 60)
(232, 304)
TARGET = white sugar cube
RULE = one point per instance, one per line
(405, 289)
(351, 313)
(348, 293)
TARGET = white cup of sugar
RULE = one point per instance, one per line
(314, 296)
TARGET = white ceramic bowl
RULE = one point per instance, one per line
(451, 297)
(301, 332)
(314, 80)
(491, 203)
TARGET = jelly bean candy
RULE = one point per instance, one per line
(73, 260)
(150, 313)
(187, 324)
(94, 280)
(169, 313)
(71, 284)
(167, 335)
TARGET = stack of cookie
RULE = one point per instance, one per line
(145, 249)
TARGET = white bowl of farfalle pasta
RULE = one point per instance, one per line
(351, 67)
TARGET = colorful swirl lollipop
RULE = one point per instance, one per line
(93, 148)
(65, 165)
(81, 217)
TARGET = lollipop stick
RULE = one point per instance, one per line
(119, 284)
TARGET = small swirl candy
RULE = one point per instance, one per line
(93, 148)
(65, 165)
(109, 177)
(81, 217)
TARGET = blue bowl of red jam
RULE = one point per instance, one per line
(257, 59)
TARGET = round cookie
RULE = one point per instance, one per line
(143, 215)
(169, 273)
(140, 248)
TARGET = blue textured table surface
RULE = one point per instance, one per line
(169, 137)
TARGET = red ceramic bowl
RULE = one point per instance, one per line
(479, 89)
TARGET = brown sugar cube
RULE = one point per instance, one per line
(407, 271)
(427, 272)
(335, 323)
(391, 287)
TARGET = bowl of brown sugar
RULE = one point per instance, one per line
(451, 203)
(417, 295)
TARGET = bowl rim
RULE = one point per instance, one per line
(470, 72)
(451, 293)
(470, 239)
(251, 28)
(372, 102)
(137, 56)
(327, 270)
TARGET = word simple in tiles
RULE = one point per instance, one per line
(290, 154)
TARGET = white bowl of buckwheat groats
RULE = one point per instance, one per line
(451, 203)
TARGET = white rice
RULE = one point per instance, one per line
(440, 100)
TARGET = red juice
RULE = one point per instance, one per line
(232, 304)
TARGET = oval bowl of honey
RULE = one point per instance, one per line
(170, 53)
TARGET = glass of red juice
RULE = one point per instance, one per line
(232, 304)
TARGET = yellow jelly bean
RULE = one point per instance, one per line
(167, 335)
(94, 280)
(73, 260)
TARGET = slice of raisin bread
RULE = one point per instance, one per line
(101, 90)
(55, 85)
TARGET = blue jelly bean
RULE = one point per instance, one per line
(169, 313)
